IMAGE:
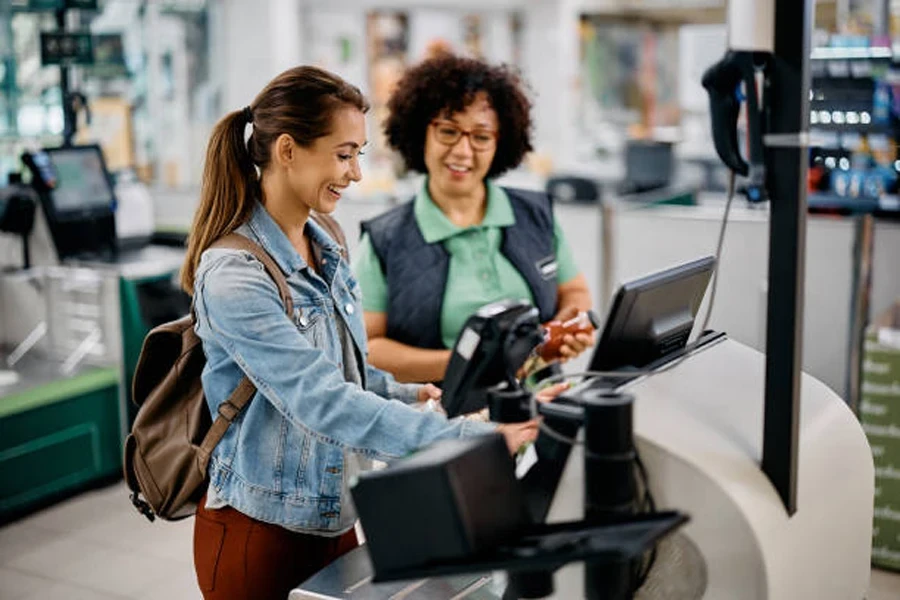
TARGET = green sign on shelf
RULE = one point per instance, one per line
(37, 5)
(66, 49)
(82, 4)
(51, 5)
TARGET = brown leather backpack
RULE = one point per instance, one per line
(173, 435)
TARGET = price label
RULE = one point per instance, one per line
(66, 49)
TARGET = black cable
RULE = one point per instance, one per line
(667, 367)
(647, 503)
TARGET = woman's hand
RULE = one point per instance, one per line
(519, 434)
(429, 392)
(549, 393)
(429, 399)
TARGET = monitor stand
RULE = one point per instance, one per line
(631, 374)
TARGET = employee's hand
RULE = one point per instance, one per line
(572, 345)
(549, 393)
(429, 392)
(518, 434)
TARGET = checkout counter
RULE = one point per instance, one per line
(71, 329)
(698, 429)
(698, 421)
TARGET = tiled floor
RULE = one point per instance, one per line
(96, 547)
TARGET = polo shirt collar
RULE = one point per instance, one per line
(436, 227)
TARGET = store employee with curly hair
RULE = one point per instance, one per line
(425, 266)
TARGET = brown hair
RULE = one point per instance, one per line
(299, 102)
(448, 84)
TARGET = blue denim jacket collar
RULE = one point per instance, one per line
(274, 241)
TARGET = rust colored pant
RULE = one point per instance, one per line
(239, 558)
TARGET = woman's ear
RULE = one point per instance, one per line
(284, 150)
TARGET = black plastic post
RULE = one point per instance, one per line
(26, 252)
(508, 404)
(786, 166)
(610, 491)
(529, 584)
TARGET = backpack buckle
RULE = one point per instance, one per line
(228, 411)
(142, 507)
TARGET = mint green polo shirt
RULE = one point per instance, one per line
(478, 272)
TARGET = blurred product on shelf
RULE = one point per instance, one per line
(855, 125)
(880, 416)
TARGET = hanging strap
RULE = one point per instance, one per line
(245, 390)
(333, 229)
(236, 241)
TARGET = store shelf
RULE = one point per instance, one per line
(860, 205)
(857, 53)
(886, 129)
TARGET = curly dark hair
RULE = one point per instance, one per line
(448, 84)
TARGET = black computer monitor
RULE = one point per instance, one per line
(83, 188)
(648, 165)
(78, 199)
(652, 316)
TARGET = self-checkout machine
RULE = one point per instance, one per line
(87, 215)
(100, 222)
(766, 474)
(73, 319)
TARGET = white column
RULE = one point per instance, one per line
(262, 38)
(550, 57)
(497, 36)
(429, 24)
(285, 33)
(153, 82)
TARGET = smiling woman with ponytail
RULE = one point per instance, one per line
(299, 103)
(277, 507)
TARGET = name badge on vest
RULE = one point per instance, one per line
(547, 267)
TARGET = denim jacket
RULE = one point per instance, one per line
(282, 459)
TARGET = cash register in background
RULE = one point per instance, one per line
(95, 224)
(81, 206)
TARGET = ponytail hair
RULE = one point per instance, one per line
(299, 102)
(225, 195)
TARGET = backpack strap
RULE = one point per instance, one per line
(334, 229)
(236, 241)
(228, 410)
(243, 393)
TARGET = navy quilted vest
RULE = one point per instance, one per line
(416, 271)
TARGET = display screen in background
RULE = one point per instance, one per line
(81, 180)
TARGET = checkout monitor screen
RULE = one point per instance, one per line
(653, 316)
(82, 183)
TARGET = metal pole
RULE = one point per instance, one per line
(786, 167)
(69, 116)
(607, 250)
(864, 226)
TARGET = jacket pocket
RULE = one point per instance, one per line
(331, 472)
(310, 321)
(303, 475)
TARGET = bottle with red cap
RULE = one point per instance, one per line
(585, 321)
